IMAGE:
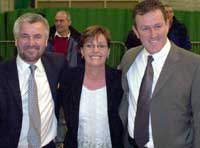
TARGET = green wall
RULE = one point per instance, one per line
(118, 21)
(22, 4)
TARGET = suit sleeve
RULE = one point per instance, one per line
(2, 98)
(195, 101)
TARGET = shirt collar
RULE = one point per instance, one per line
(68, 35)
(163, 52)
(23, 66)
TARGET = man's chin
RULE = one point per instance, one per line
(30, 58)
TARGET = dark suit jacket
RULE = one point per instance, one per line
(175, 104)
(10, 97)
(178, 34)
(71, 87)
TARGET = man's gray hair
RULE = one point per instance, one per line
(30, 18)
(68, 15)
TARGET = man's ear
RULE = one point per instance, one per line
(46, 43)
(135, 31)
(15, 42)
(70, 22)
(82, 54)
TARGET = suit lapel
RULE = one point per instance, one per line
(130, 59)
(51, 76)
(13, 82)
(70, 47)
(168, 69)
(75, 92)
(77, 85)
(127, 61)
(109, 88)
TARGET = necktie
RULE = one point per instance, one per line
(34, 140)
(141, 129)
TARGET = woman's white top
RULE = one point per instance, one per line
(93, 130)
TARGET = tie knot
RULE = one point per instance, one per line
(150, 59)
(32, 68)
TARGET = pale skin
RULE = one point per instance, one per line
(62, 23)
(95, 59)
(31, 42)
(151, 28)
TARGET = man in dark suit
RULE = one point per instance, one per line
(31, 33)
(174, 104)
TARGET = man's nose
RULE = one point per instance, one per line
(153, 32)
(31, 41)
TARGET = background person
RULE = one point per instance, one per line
(177, 31)
(64, 38)
(91, 96)
(132, 40)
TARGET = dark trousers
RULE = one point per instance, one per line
(50, 145)
(133, 143)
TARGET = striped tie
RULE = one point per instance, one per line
(34, 139)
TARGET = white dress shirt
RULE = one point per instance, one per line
(45, 100)
(93, 130)
(134, 77)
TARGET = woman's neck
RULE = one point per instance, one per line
(94, 77)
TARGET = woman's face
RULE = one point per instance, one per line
(95, 51)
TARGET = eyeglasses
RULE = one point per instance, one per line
(92, 46)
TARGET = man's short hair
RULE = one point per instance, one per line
(148, 6)
(30, 18)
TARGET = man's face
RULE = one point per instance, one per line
(31, 42)
(152, 29)
(62, 23)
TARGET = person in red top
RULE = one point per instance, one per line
(64, 38)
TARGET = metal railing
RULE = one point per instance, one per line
(7, 41)
(196, 46)
(7, 49)
(117, 49)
